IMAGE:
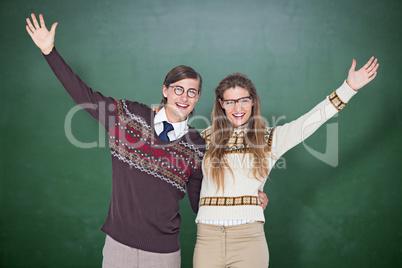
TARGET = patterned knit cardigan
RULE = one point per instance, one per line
(239, 200)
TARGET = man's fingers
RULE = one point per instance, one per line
(53, 29)
(262, 197)
(35, 22)
(42, 21)
(30, 25)
(29, 31)
(264, 201)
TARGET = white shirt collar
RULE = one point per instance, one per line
(178, 127)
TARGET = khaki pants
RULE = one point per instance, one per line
(116, 255)
(231, 246)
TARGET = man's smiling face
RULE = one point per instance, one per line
(179, 107)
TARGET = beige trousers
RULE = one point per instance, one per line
(118, 255)
(238, 246)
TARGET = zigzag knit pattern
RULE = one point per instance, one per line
(132, 141)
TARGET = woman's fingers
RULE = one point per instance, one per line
(372, 66)
(368, 63)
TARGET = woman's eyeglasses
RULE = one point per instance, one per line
(244, 102)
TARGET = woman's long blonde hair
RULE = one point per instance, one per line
(222, 131)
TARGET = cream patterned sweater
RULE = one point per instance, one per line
(239, 201)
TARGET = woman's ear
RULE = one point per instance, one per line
(221, 103)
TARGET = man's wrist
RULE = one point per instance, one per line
(47, 50)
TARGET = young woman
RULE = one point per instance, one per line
(241, 151)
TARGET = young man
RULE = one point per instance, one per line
(155, 160)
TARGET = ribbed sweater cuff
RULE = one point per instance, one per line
(345, 92)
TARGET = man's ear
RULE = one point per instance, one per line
(164, 91)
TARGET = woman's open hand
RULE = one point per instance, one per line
(360, 78)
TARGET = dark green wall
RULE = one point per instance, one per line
(55, 196)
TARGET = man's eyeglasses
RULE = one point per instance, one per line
(191, 93)
(244, 102)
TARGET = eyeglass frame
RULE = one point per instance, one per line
(182, 91)
(236, 101)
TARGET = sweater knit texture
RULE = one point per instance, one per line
(239, 200)
(150, 176)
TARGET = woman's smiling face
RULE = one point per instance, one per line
(238, 114)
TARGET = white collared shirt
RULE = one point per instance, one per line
(179, 129)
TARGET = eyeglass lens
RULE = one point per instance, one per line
(191, 93)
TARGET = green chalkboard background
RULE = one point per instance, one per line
(335, 201)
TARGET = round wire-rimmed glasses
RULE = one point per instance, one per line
(178, 90)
